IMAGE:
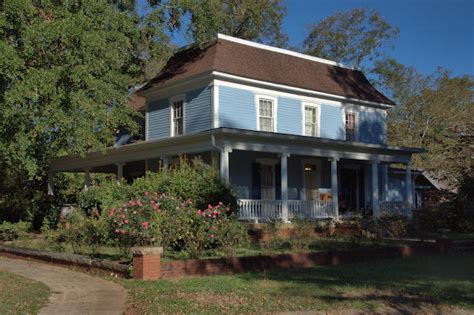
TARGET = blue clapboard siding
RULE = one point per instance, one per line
(332, 126)
(372, 127)
(289, 116)
(237, 108)
(158, 119)
(197, 113)
(197, 110)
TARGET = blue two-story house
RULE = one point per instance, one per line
(293, 134)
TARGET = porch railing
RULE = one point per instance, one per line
(267, 210)
(394, 207)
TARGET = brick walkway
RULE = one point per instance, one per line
(71, 292)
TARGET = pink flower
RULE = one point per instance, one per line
(214, 216)
(212, 235)
(125, 221)
(213, 227)
(146, 193)
(155, 193)
(120, 224)
(209, 206)
(152, 202)
(145, 225)
(155, 206)
(220, 203)
(158, 211)
(123, 231)
(123, 216)
(198, 212)
(124, 210)
(116, 230)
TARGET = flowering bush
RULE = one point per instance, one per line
(177, 225)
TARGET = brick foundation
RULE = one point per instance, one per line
(147, 269)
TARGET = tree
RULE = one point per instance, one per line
(247, 19)
(434, 112)
(351, 37)
(65, 69)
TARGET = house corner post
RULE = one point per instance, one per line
(284, 186)
(409, 187)
(119, 172)
(224, 165)
(50, 183)
(87, 179)
(375, 188)
(385, 182)
(334, 187)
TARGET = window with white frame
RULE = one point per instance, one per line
(266, 110)
(177, 111)
(311, 123)
(351, 126)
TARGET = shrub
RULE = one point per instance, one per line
(302, 237)
(177, 225)
(12, 231)
(394, 225)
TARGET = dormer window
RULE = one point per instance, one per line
(351, 125)
(266, 114)
(177, 118)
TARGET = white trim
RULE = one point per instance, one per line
(147, 123)
(225, 76)
(282, 51)
(215, 106)
(318, 118)
(172, 100)
(274, 110)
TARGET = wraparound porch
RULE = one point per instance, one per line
(339, 181)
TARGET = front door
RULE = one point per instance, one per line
(310, 182)
(267, 181)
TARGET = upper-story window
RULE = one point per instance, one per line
(177, 119)
(266, 114)
(351, 125)
(311, 120)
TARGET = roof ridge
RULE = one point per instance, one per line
(284, 51)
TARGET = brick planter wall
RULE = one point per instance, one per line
(205, 267)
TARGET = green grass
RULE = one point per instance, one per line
(19, 295)
(439, 280)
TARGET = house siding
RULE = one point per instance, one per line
(289, 116)
(237, 108)
(332, 125)
(197, 114)
(158, 119)
(198, 110)
(372, 127)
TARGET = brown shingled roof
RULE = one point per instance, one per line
(266, 65)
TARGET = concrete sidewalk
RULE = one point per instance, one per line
(71, 292)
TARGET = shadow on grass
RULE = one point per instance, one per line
(412, 281)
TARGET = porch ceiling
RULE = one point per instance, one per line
(226, 138)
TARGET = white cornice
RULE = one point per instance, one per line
(282, 87)
(283, 51)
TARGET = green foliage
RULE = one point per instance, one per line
(12, 231)
(303, 229)
(434, 112)
(353, 37)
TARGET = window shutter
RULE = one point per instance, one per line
(256, 194)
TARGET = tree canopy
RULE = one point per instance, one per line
(351, 37)
(434, 112)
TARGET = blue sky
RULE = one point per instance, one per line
(432, 32)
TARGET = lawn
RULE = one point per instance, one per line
(19, 295)
(438, 280)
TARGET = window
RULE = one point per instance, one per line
(266, 111)
(350, 126)
(311, 121)
(177, 112)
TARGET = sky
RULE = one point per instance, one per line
(432, 32)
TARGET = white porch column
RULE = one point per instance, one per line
(409, 187)
(375, 189)
(284, 186)
(87, 179)
(385, 182)
(334, 189)
(119, 172)
(224, 169)
(51, 184)
(166, 162)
